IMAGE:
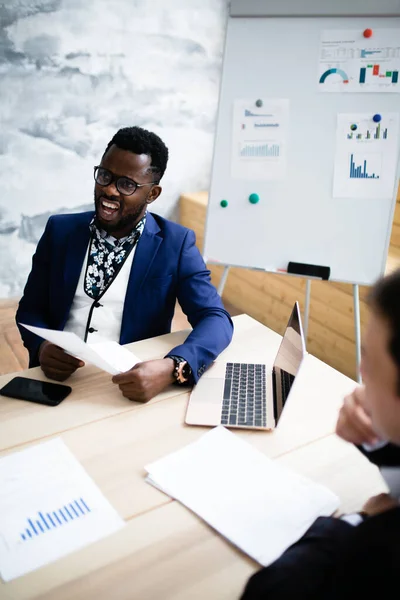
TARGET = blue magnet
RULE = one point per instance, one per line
(254, 198)
(376, 118)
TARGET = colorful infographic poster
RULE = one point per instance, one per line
(350, 62)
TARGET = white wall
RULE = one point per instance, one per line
(74, 72)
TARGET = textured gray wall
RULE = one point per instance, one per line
(71, 74)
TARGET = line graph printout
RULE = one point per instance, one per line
(259, 139)
(366, 156)
(49, 507)
(349, 62)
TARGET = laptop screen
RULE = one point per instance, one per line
(288, 359)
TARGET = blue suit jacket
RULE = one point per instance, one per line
(166, 266)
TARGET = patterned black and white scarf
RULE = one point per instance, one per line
(106, 257)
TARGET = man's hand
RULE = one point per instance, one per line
(146, 379)
(57, 364)
(379, 504)
(354, 424)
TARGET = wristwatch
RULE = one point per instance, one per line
(182, 371)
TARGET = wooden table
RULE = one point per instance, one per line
(165, 551)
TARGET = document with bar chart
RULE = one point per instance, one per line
(259, 139)
(49, 507)
(349, 62)
(366, 156)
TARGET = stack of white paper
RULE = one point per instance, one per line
(108, 356)
(49, 507)
(254, 502)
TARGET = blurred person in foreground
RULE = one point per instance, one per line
(357, 555)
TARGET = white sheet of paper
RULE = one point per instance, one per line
(366, 156)
(251, 500)
(259, 139)
(49, 507)
(116, 356)
(108, 356)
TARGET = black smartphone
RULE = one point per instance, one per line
(33, 390)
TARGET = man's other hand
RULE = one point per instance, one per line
(354, 424)
(57, 364)
(379, 504)
(146, 379)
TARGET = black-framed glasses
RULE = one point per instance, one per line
(124, 185)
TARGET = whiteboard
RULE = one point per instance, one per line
(297, 219)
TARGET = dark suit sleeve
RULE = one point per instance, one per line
(387, 456)
(335, 560)
(369, 563)
(301, 572)
(212, 324)
(33, 308)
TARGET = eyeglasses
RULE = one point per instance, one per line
(124, 185)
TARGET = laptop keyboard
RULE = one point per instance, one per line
(245, 398)
(286, 383)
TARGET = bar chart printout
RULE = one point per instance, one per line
(370, 133)
(366, 156)
(259, 139)
(63, 511)
(349, 62)
(377, 71)
(255, 149)
(43, 521)
(365, 167)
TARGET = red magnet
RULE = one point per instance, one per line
(368, 33)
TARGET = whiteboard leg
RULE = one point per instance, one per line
(307, 307)
(223, 281)
(357, 329)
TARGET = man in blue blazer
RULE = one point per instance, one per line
(116, 273)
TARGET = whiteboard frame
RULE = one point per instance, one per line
(314, 8)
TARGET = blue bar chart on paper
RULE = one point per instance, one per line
(49, 507)
(365, 168)
(366, 155)
(45, 521)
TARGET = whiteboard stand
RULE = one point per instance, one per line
(357, 330)
(356, 304)
(307, 307)
(224, 277)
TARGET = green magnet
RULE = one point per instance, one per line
(254, 198)
(224, 203)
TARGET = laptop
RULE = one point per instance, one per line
(249, 395)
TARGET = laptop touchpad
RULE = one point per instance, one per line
(216, 371)
(208, 390)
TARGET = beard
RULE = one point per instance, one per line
(124, 222)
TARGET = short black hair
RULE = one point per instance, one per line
(140, 141)
(385, 299)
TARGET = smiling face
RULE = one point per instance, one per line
(116, 213)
